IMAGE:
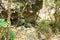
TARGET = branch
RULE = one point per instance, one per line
(8, 19)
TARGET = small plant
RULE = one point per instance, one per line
(13, 34)
(3, 27)
(3, 23)
(3, 31)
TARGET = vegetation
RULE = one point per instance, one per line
(43, 15)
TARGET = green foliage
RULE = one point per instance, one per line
(44, 25)
(0, 35)
(1, 20)
(58, 3)
(22, 4)
(13, 34)
(57, 14)
(16, 7)
(3, 23)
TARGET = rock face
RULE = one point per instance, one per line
(56, 37)
(27, 34)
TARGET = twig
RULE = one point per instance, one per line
(8, 19)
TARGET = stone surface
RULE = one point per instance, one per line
(26, 34)
(56, 37)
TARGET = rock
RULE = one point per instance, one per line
(26, 34)
(56, 37)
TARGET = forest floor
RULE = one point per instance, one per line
(31, 34)
(26, 34)
(55, 37)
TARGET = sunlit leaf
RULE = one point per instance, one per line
(3, 23)
(1, 19)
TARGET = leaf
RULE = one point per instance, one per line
(3, 24)
(1, 19)
(13, 34)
